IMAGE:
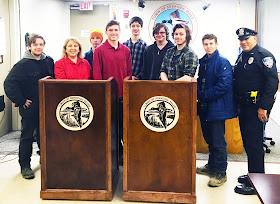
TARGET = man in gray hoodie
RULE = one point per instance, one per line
(21, 87)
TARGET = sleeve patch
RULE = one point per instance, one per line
(268, 62)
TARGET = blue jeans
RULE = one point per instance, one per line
(214, 135)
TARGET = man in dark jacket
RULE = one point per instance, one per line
(215, 105)
(255, 84)
(21, 87)
(154, 54)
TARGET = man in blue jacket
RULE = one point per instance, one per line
(215, 105)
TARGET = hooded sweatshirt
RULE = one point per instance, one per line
(153, 58)
(22, 81)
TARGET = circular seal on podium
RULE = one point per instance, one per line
(159, 113)
(74, 113)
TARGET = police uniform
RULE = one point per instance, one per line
(255, 85)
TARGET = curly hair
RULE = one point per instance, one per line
(158, 26)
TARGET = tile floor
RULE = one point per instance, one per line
(16, 190)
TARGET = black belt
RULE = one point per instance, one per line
(248, 98)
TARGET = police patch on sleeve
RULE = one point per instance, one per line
(268, 62)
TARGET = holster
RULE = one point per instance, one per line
(246, 99)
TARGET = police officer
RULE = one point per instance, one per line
(255, 84)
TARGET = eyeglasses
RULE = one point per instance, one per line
(160, 33)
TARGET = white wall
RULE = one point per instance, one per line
(269, 29)
(87, 20)
(5, 116)
(49, 18)
(222, 18)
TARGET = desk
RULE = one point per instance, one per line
(267, 187)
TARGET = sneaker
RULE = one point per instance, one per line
(217, 180)
(27, 173)
(205, 170)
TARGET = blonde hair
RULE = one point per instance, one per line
(64, 54)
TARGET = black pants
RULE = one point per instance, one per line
(29, 125)
(214, 135)
(252, 135)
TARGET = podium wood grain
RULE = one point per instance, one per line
(159, 166)
(82, 164)
(232, 135)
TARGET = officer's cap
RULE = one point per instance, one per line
(245, 33)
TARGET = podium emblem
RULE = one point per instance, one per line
(159, 113)
(74, 113)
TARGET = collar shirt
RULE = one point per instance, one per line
(67, 69)
(256, 71)
(110, 62)
(177, 63)
(137, 52)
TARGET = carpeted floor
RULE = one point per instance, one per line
(9, 146)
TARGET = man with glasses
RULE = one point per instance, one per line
(154, 54)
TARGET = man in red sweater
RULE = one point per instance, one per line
(113, 59)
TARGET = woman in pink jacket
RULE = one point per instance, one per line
(72, 65)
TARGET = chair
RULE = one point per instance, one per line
(267, 149)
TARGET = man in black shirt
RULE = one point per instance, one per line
(255, 84)
(21, 87)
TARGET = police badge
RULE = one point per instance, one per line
(268, 62)
(241, 32)
(250, 60)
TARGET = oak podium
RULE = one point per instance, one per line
(79, 140)
(159, 141)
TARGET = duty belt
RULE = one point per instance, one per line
(251, 97)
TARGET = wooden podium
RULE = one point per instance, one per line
(159, 141)
(79, 140)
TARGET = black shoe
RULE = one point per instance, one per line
(244, 190)
(243, 179)
(27, 173)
